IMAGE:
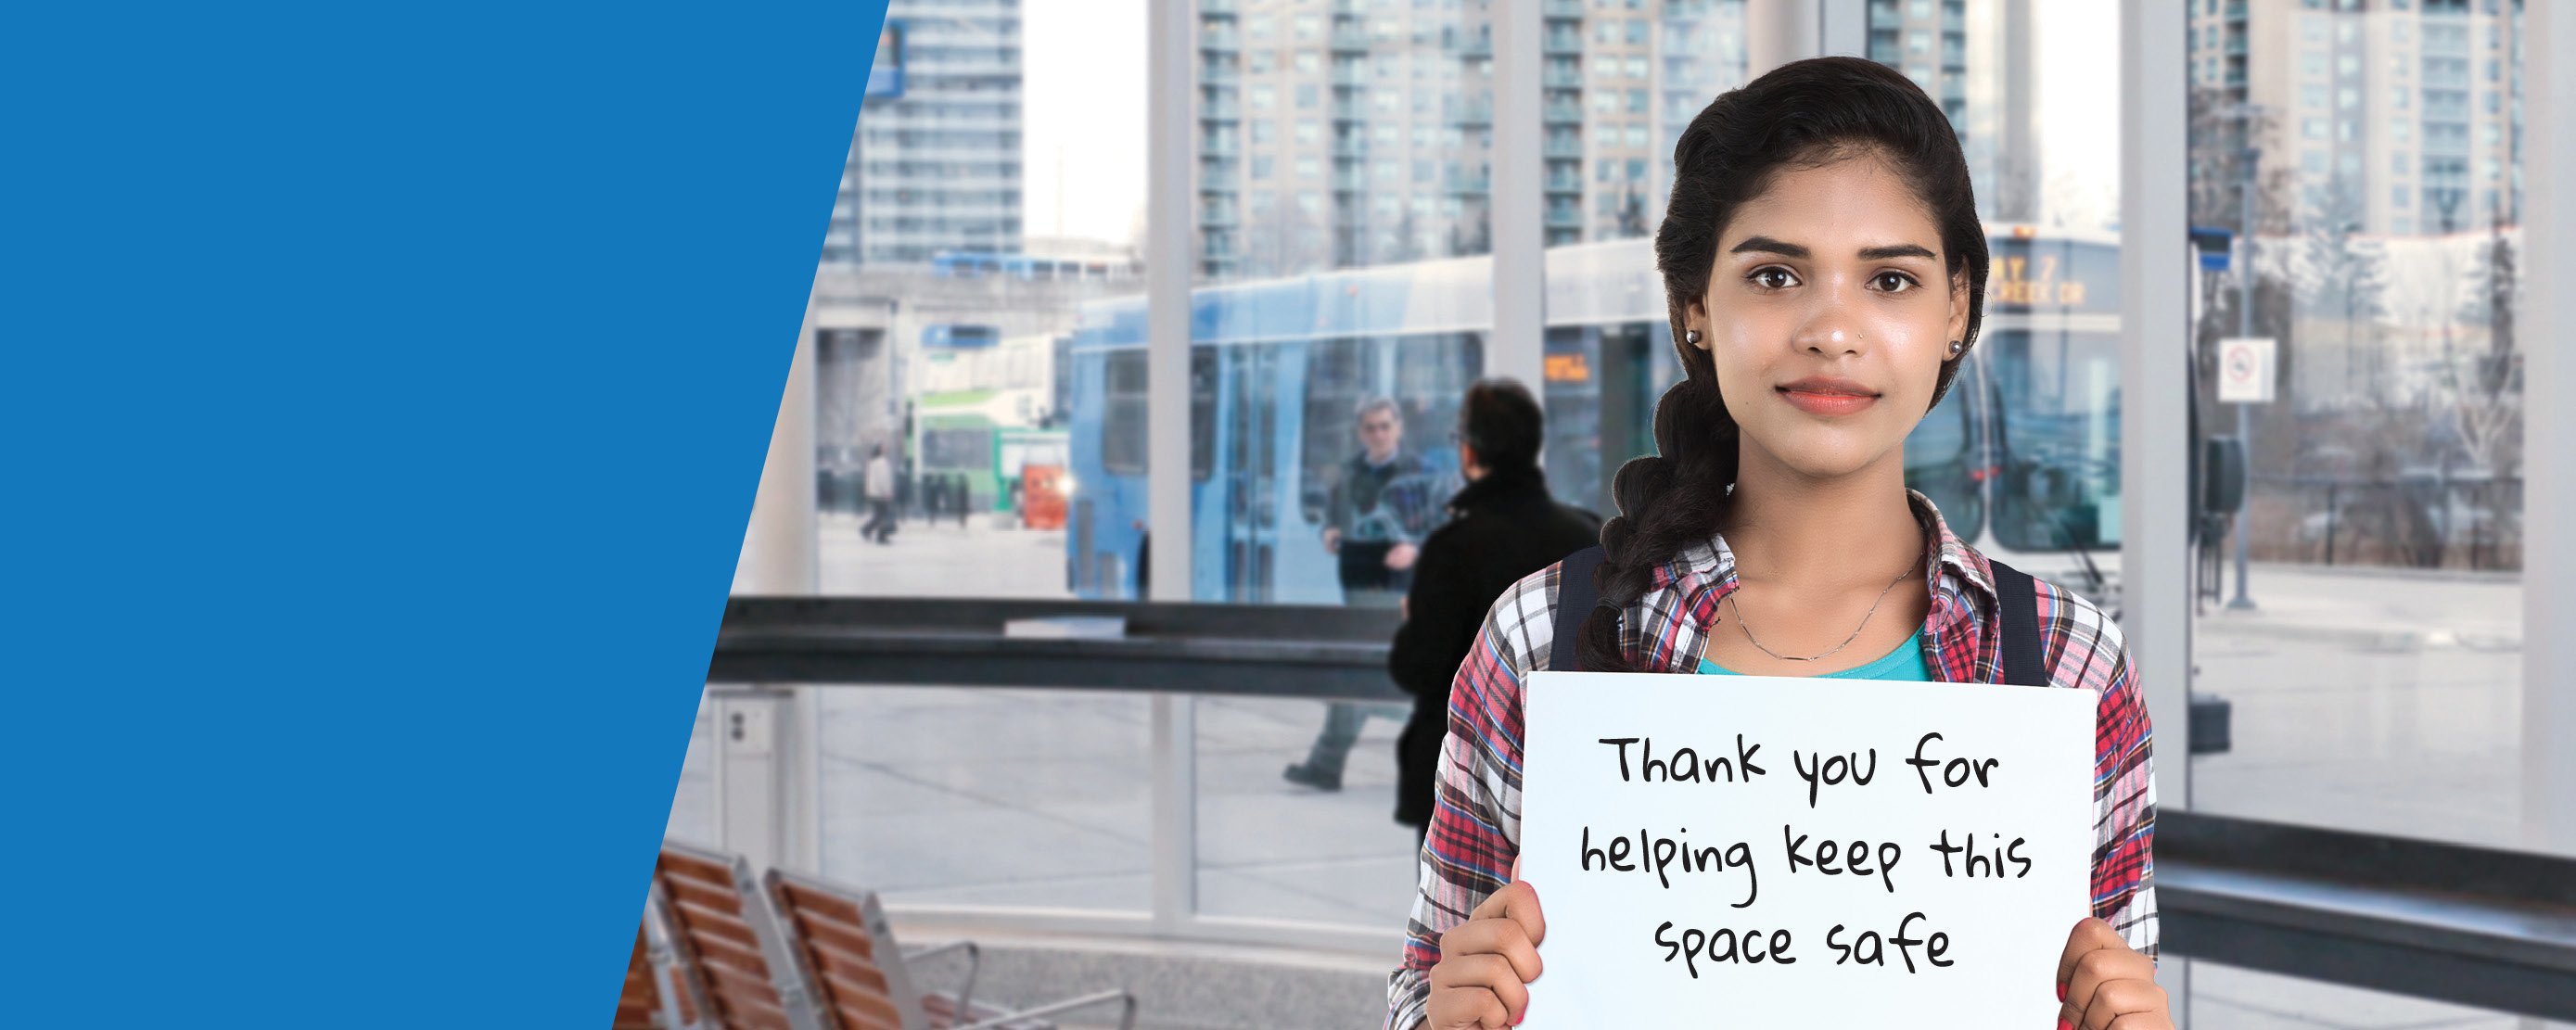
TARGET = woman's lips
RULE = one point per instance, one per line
(1828, 397)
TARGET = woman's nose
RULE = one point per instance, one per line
(1830, 335)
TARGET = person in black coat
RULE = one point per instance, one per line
(1503, 526)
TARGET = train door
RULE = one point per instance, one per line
(1248, 437)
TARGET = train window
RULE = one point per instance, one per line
(2058, 428)
(1123, 447)
(1337, 374)
(1202, 412)
(1122, 427)
(957, 449)
(1941, 458)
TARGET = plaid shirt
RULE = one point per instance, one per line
(1475, 828)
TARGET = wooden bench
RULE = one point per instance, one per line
(787, 952)
(720, 964)
(843, 944)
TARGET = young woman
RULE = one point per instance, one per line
(1825, 274)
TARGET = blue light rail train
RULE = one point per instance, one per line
(2022, 456)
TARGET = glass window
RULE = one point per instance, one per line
(933, 415)
(2373, 667)
(1370, 285)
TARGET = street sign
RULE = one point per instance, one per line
(2245, 370)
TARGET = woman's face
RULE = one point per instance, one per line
(1828, 316)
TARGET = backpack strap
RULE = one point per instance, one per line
(2024, 666)
(1576, 596)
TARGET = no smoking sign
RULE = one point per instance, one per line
(2245, 370)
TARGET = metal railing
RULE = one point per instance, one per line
(2455, 923)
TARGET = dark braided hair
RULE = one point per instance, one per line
(1804, 114)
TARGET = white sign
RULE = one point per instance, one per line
(1776, 852)
(2245, 370)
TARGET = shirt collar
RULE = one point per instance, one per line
(1704, 573)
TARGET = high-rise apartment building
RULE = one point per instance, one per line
(935, 164)
(2399, 116)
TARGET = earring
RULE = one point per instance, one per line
(1690, 336)
(1955, 347)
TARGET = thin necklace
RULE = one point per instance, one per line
(1908, 570)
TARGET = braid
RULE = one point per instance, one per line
(1667, 501)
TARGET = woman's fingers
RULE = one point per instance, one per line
(2096, 971)
(2120, 1000)
(1518, 902)
(2102, 981)
(2089, 935)
(1501, 937)
(1488, 973)
(1467, 1008)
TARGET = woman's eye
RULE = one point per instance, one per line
(1895, 282)
(1773, 278)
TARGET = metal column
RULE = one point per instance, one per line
(2549, 437)
(1517, 346)
(2155, 371)
(1170, 188)
(1777, 32)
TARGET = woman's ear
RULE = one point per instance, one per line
(1960, 295)
(1695, 323)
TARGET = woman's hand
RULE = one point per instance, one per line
(1486, 963)
(2105, 984)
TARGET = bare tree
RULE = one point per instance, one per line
(2343, 272)
(2487, 383)
(1284, 240)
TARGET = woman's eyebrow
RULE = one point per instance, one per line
(1767, 245)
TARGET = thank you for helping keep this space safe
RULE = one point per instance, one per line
(1779, 852)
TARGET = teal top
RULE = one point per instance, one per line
(1904, 663)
